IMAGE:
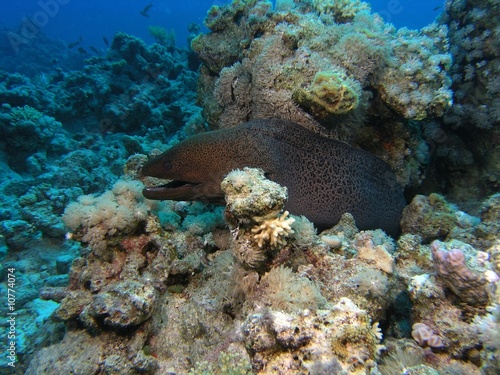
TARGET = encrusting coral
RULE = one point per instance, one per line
(464, 270)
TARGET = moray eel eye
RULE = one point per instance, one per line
(167, 165)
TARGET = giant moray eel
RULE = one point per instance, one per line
(325, 178)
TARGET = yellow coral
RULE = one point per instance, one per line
(273, 230)
(331, 92)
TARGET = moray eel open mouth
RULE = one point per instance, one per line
(174, 190)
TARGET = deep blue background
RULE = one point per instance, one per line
(93, 19)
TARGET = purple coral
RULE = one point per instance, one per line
(424, 335)
(463, 275)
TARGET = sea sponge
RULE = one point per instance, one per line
(330, 92)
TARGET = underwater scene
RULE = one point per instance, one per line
(250, 187)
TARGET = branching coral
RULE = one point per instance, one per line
(273, 231)
(254, 204)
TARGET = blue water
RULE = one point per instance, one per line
(92, 19)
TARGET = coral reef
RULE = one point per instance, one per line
(162, 36)
(109, 282)
(273, 230)
(304, 342)
(94, 220)
(254, 202)
(58, 146)
(466, 142)
(327, 57)
(335, 68)
(302, 305)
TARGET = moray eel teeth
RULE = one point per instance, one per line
(324, 178)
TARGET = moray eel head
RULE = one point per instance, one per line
(182, 165)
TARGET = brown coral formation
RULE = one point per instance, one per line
(301, 64)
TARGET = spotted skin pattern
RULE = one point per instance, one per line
(325, 178)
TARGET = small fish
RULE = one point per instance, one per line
(436, 8)
(74, 44)
(82, 51)
(93, 49)
(105, 40)
(146, 9)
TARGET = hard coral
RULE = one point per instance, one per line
(250, 196)
(295, 55)
(273, 231)
(430, 217)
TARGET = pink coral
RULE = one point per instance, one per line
(424, 335)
